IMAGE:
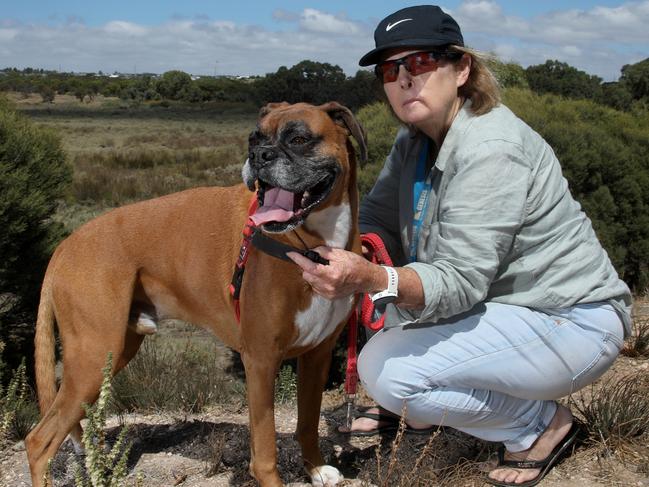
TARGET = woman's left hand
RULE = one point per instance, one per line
(346, 274)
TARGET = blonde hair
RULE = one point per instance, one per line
(481, 86)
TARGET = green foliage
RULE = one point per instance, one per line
(34, 175)
(603, 153)
(286, 385)
(316, 83)
(562, 79)
(104, 467)
(509, 75)
(18, 410)
(636, 79)
(615, 95)
(175, 85)
(381, 126)
(47, 94)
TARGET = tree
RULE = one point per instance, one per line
(562, 79)
(509, 75)
(635, 77)
(615, 95)
(307, 81)
(34, 175)
(173, 85)
(47, 93)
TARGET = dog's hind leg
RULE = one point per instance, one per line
(87, 337)
(131, 346)
(313, 369)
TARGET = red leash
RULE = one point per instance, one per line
(244, 252)
(378, 254)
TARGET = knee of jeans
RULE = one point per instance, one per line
(386, 381)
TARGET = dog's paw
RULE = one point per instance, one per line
(325, 476)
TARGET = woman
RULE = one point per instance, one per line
(507, 300)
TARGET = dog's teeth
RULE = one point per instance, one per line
(305, 198)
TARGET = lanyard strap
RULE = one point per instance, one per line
(421, 191)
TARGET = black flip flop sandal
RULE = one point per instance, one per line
(390, 425)
(545, 465)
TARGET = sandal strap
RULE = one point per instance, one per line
(521, 463)
(378, 417)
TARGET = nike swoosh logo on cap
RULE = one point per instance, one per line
(390, 26)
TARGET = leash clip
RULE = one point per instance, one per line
(349, 400)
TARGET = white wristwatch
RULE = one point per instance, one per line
(388, 295)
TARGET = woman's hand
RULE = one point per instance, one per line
(346, 274)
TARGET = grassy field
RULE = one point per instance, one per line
(122, 153)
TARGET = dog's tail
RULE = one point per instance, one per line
(44, 347)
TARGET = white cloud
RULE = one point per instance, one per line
(317, 21)
(121, 27)
(599, 41)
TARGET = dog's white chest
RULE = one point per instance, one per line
(320, 319)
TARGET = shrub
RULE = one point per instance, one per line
(286, 385)
(637, 345)
(616, 412)
(103, 466)
(34, 175)
(381, 127)
(167, 377)
(18, 410)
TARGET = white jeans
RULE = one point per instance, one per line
(494, 371)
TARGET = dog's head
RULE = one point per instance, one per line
(297, 157)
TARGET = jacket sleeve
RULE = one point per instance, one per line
(483, 207)
(379, 210)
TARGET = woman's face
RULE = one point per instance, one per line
(429, 100)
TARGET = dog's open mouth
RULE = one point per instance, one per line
(281, 210)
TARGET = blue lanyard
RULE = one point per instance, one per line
(421, 192)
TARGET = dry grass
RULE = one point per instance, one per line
(122, 156)
(638, 344)
(183, 375)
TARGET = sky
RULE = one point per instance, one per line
(210, 37)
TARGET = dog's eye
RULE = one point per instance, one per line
(299, 140)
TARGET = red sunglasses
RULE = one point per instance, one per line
(415, 63)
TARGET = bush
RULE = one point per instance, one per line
(18, 410)
(167, 377)
(103, 467)
(34, 175)
(381, 127)
(286, 385)
(616, 412)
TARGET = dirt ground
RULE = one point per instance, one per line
(211, 449)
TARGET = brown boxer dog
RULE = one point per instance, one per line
(110, 281)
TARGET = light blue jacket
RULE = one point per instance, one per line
(500, 225)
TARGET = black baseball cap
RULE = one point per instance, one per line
(421, 26)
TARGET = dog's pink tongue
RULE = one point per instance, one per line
(278, 207)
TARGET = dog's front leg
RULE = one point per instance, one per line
(313, 369)
(261, 370)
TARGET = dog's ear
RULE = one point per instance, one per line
(265, 110)
(344, 117)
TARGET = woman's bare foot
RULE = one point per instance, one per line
(541, 448)
(363, 424)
